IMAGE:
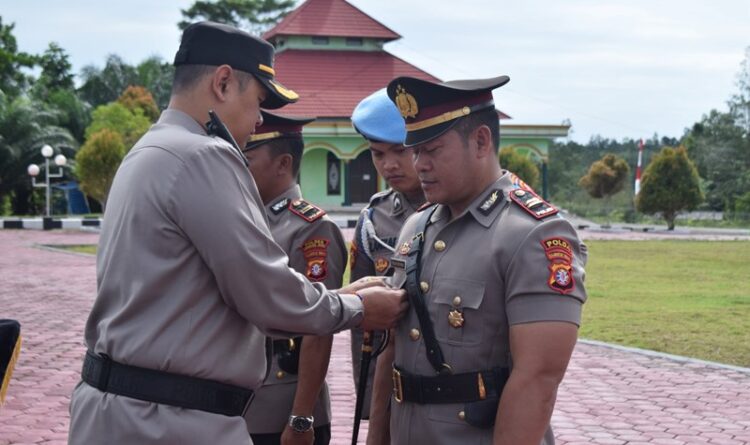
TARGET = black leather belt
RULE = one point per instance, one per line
(449, 388)
(164, 387)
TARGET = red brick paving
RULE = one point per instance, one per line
(609, 396)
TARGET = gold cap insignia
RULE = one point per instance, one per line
(406, 103)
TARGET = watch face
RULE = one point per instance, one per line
(301, 424)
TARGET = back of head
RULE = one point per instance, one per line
(377, 119)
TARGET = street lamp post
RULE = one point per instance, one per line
(33, 170)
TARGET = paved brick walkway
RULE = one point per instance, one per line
(608, 397)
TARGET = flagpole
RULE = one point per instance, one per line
(638, 167)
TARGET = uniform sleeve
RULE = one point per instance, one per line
(544, 278)
(216, 205)
(361, 264)
(319, 252)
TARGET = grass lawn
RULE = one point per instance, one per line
(688, 298)
(80, 248)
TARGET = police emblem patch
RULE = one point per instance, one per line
(559, 252)
(381, 265)
(315, 252)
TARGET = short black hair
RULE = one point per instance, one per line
(292, 146)
(488, 117)
(187, 76)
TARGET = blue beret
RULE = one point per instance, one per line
(377, 118)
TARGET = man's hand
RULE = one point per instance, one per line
(291, 437)
(383, 307)
(362, 283)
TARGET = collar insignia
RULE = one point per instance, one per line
(279, 206)
(490, 202)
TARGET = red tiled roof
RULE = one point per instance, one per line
(334, 18)
(331, 83)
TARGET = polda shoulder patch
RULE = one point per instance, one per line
(532, 203)
(305, 210)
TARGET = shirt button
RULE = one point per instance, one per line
(457, 301)
(424, 286)
(280, 375)
(462, 415)
(439, 245)
(414, 334)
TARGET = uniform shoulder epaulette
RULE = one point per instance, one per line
(305, 210)
(532, 203)
(379, 196)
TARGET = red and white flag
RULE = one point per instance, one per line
(638, 167)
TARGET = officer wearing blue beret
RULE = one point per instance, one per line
(378, 120)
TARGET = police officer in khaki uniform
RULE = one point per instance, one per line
(377, 119)
(495, 278)
(188, 275)
(294, 397)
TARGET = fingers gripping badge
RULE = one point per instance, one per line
(315, 252)
(559, 252)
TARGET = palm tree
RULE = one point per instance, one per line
(25, 126)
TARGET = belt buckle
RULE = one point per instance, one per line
(398, 389)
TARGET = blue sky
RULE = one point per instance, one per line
(628, 68)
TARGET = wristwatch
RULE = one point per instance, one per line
(301, 424)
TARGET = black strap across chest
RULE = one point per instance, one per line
(416, 298)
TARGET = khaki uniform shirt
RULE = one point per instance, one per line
(318, 250)
(492, 265)
(188, 282)
(372, 247)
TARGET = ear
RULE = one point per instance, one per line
(283, 164)
(220, 81)
(483, 140)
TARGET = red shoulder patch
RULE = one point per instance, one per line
(559, 252)
(532, 203)
(315, 252)
(305, 210)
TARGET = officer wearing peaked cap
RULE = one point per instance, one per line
(188, 276)
(294, 399)
(495, 282)
(378, 120)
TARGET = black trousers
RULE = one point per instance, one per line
(322, 437)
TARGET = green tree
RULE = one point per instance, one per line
(75, 114)
(156, 75)
(605, 177)
(522, 166)
(102, 86)
(13, 78)
(130, 125)
(255, 16)
(25, 126)
(97, 162)
(56, 69)
(138, 98)
(739, 105)
(721, 151)
(670, 184)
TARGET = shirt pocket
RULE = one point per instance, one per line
(456, 315)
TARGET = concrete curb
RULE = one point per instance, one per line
(663, 355)
(50, 223)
